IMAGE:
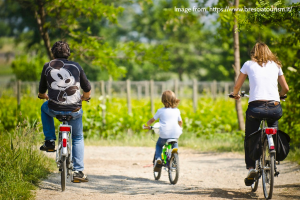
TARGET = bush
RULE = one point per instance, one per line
(22, 165)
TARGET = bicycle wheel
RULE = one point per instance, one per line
(63, 173)
(157, 174)
(174, 168)
(254, 186)
(267, 170)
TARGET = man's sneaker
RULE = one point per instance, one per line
(157, 165)
(78, 176)
(250, 177)
(49, 146)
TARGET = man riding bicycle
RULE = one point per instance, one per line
(63, 79)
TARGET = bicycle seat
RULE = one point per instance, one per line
(64, 117)
(171, 141)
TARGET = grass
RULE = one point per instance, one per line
(22, 165)
(294, 155)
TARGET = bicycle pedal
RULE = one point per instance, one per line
(50, 150)
(249, 181)
(76, 181)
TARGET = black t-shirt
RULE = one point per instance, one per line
(63, 79)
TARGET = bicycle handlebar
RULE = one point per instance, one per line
(242, 95)
(246, 95)
(87, 100)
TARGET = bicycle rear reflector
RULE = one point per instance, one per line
(65, 128)
(271, 131)
(64, 142)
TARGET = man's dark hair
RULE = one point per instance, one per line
(60, 49)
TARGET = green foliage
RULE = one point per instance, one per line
(22, 165)
(28, 68)
(287, 46)
(11, 115)
(80, 24)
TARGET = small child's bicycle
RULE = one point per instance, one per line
(170, 159)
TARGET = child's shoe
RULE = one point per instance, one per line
(157, 165)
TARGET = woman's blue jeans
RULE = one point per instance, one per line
(256, 112)
(77, 132)
(159, 145)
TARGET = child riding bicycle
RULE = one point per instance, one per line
(170, 124)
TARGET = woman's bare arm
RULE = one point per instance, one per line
(284, 85)
(238, 84)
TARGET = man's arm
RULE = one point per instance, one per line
(43, 86)
(85, 85)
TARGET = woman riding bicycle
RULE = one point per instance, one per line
(264, 72)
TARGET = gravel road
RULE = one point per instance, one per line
(127, 173)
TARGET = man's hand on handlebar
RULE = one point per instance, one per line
(43, 96)
(234, 96)
(85, 98)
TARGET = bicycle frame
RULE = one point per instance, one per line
(166, 153)
(65, 147)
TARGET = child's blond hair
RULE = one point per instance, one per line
(169, 99)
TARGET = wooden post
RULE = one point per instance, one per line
(176, 87)
(33, 89)
(152, 96)
(214, 89)
(103, 102)
(19, 92)
(139, 91)
(226, 89)
(146, 89)
(195, 92)
(163, 87)
(92, 89)
(128, 96)
(109, 89)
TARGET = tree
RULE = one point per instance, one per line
(74, 21)
(287, 19)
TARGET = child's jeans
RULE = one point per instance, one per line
(159, 144)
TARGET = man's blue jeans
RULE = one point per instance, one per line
(77, 132)
(159, 145)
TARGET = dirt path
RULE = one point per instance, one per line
(125, 173)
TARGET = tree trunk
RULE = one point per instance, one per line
(237, 67)
(40, 19)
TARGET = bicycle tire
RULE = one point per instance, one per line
(267, 170)
(254, 186)
(174, 167)
(63, 173)
(157, 175)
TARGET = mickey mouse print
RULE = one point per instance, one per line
(63, 79)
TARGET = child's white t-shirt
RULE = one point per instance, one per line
(168, 119)
(263, 80)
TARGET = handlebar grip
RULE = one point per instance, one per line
(283, 97)
(231, 96)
